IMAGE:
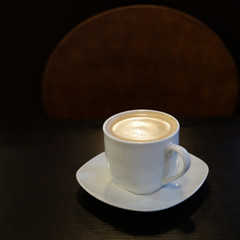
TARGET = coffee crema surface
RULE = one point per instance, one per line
(142, 126)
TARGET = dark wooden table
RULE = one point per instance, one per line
(41, 199)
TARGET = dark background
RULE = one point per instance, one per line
(30, 30)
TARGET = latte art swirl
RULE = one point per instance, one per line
(143, 126)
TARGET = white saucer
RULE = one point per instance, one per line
(95, 178)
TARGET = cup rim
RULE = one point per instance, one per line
(138, 143)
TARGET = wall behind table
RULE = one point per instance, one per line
(30, 30)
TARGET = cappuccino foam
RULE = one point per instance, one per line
(142, 126)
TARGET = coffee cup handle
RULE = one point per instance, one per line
(185, 158)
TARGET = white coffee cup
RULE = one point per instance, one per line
(141, 148)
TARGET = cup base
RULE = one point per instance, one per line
(138, 190)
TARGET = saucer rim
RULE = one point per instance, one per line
(101, 198)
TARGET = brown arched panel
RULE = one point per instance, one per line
(140, 57)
